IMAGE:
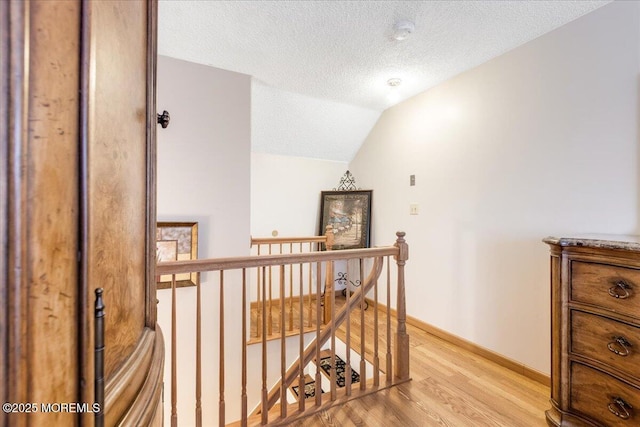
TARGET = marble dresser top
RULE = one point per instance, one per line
(605, 241)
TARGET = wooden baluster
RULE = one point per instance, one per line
(310, 287)
(281, 307)
(347, 368)
(301, 290)
(221, 406)
(198, 356)
(402, 338)
(174, 375)
(301, 382)
(363, 365)
(265, 392)
(243, 395)
(283, 349)
(259, 310)
(318, 379)
(99, 358)
(376, 358)
(291, 291)
(389, 358)
(328, 288)
(332, 303)
(270, 326)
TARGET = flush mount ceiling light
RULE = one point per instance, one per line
(394, 82)
(402, 29)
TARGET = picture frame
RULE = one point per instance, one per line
(349, 214)
(177, 241)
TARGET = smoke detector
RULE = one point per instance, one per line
(402, 29)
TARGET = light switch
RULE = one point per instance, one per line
(413, 209)
(412, 180)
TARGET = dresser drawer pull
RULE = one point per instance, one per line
(620, 408)
(614, 290)
(619, 346)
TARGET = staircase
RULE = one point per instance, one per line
(328, 339)
(325, 367)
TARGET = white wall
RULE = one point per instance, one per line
(204, 176)
(207, 174)
(285, 193)
(540, 141)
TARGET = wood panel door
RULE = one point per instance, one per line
(118, 192)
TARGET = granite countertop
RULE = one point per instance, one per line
(606, 241)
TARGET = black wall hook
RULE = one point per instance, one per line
(163, 119)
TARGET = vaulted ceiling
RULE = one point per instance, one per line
(320, 68)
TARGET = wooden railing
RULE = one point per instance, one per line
(305, 278)
(270, 404)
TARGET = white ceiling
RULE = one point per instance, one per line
(320, 67)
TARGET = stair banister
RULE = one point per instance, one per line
(402, 338)
(397, 372)
(326, 333)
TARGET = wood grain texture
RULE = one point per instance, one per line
(501, 360)
(143, 411)
(39, 125)
(123, 385)
(234, 263)
(450, 386)
(591, 338)
(117, 161)
(556, 322)
(585, 319)
(591, 283)
(15, 39)
(53, 220)
(4, 197)
(151, 309)
(45, 52)
(592, 391)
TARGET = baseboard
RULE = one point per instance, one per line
(474, 348)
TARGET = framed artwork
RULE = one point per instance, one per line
(177, 241)
(349, 214)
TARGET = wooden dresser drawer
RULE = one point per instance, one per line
(594, 394)
(613, 343)
(608, 286)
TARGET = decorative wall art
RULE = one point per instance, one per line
(177, 241)
(349, 214)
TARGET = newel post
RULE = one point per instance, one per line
(402, 338)
(328, 283)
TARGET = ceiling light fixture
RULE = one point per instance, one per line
(394, 82)
(402, 29)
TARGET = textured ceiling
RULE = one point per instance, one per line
(298, 125)
(342, 52)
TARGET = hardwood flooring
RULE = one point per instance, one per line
(450, 387)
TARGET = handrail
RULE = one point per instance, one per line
(290, 245)
(233, 263)
(325, 334)
(324, 261)
(278, 240)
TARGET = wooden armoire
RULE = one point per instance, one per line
(77, 209)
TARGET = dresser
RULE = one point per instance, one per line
(595, 331)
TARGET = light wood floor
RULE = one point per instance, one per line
(450, 387)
